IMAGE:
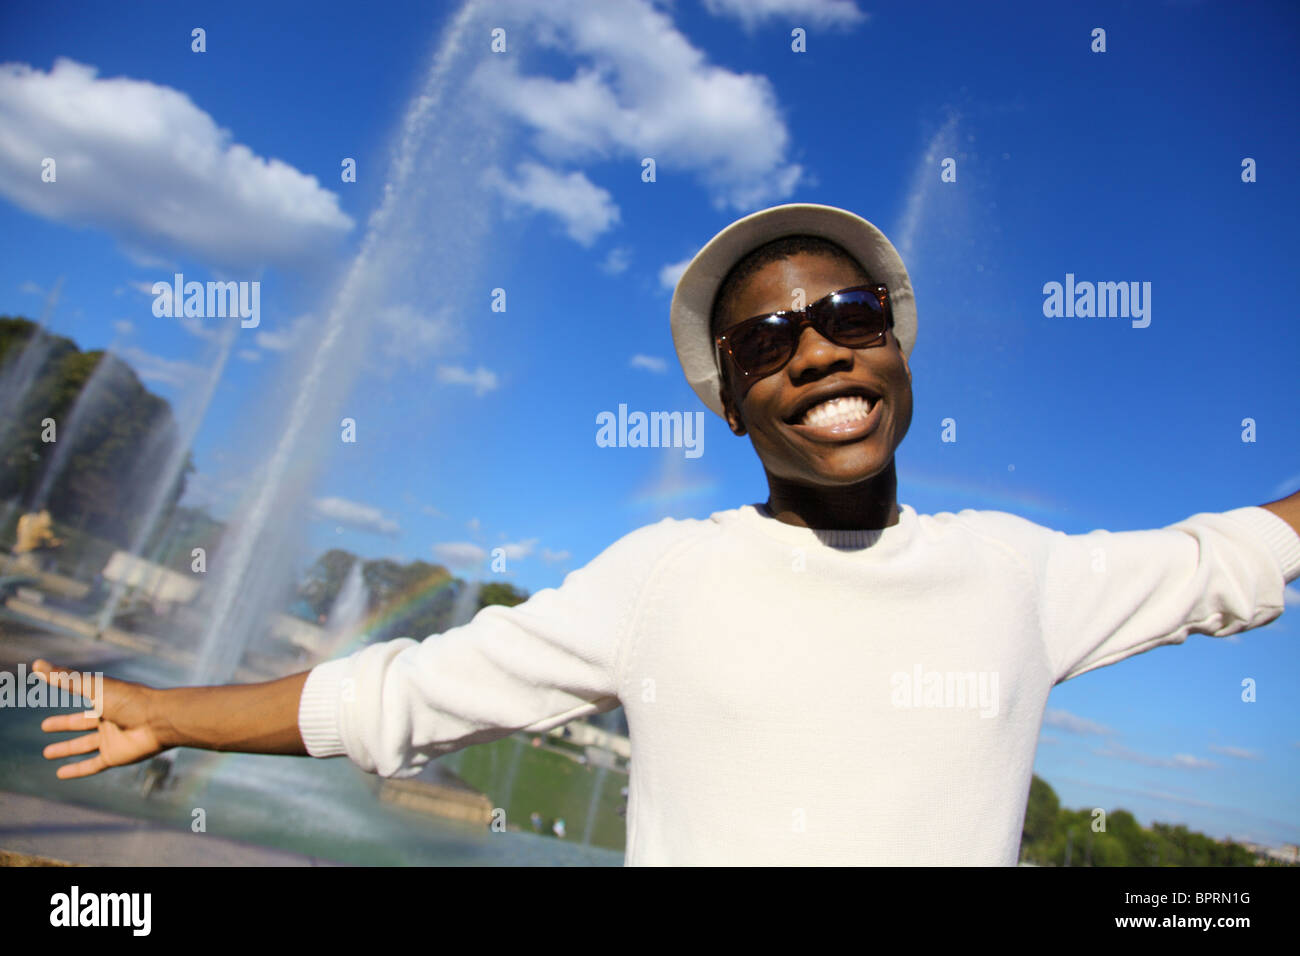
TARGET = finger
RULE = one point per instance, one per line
(83, 769)
(42, 667)
(70, 748)
(59, 677)
(62, 679)
(63, 723)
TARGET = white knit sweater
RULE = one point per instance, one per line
(811, 697)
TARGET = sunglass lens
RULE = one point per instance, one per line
(855, 319)
(763, 346)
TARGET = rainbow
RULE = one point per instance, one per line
(353, 638)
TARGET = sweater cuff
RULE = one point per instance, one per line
(1280, 537)
(319, 706)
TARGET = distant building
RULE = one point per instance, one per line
(437, 791)
(152, 580)
(1287, 853)
(302, 634)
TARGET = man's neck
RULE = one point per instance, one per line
(867, 506)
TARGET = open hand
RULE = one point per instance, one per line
(122, 733)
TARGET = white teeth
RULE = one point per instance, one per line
(838, 411)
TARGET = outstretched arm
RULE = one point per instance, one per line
(1288, 509)
(136, 722)
(1105, 596)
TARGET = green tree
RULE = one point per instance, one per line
(125, 435)
(1040, 812)
(1052, 834)
(500, 592)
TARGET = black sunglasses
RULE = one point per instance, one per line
(855, 318)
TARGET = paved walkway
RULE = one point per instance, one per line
(72, 834)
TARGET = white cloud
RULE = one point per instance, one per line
(431, 511)
(1177, 761)
(1070, 723)
(123, 327)
(646, 92)
(650, 363)
(151, 168)
(355, 515)
(474, 525)
(31, 288)
(155, 368)
(616, 261)
(554, 557)
(817, 13)
(518, 550)
(1241, 753)
(459, 554)
(1291, 596)
(407, 334)
(1193, 763)
(250, 355)
(482, 379)
(199, 328)
(284, 339)
(585, 209)
(671, 273)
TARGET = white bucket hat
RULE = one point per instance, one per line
(696, 289)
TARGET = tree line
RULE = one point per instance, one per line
(1057, 836)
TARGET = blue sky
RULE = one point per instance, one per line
(477, 428)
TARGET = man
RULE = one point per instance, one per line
(825, 678)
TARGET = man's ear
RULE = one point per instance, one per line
(903, 355)
(733, 416)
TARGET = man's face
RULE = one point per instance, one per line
(773, 410)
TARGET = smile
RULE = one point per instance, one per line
(840, 419)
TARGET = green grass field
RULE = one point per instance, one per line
(523, 779)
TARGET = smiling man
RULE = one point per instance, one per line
(824, 678)
(825, 428)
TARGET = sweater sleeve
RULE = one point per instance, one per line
(393, 706)
(1104, 596)
(1108, 595)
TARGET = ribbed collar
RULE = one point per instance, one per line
(757, 518)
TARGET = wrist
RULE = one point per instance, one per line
(159, 706)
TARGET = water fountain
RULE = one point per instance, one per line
(162, 476)
(350, 604)
(466, 604)
(593, 805)
(87, 411)
(432, 176)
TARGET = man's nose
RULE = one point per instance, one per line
(814, 350)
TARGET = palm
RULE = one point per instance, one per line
(118, 746)
(121, 733)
